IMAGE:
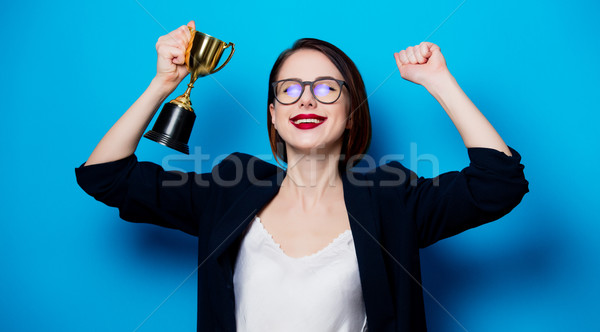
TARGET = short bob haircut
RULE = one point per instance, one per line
(357, 139)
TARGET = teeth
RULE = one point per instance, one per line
(307, 121)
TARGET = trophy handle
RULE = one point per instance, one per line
(229, 58)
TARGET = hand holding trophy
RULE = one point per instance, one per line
(176, 120)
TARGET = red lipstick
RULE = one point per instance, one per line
(307, 121)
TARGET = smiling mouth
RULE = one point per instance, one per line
(299, 121)
(308, 118)
(307, 121)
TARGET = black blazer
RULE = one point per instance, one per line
(392, 214)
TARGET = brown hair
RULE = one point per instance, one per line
(356, 140)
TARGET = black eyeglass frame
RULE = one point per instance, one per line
(312, 91)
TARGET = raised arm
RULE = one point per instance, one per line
(424, 64)
(122, 139)
(493, 183)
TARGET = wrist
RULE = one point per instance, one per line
(440, 83)
(162, 87)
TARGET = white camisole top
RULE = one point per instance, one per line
(276, 292)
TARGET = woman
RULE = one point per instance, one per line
(315, 247)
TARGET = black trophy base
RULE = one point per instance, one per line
(167, 141)
(173, 127)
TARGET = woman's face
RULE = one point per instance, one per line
(327, 122)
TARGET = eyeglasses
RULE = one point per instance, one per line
(325, 90)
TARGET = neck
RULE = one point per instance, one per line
(312, 177)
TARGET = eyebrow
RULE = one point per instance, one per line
(318, 78)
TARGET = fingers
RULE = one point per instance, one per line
(171, 47)
(178, 38)
(403, 57)
(176, 55)
(432, 47)
(192, 24)
(418, 54)
(424, 49)
(181, 36)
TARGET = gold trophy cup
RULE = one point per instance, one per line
(176, 120)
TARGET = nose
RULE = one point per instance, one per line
(307, 100)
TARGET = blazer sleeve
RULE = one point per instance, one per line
(144, 192)
(490, 187)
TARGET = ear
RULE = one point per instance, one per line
(273, 114)
(350, 115)
(349, 123)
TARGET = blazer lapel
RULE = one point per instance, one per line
(239, 215)
(375, 285)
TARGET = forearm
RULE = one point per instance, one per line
(122, 139)
(474, 128)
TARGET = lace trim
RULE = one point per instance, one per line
(331, 246)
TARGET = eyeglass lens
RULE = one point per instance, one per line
(326, 91)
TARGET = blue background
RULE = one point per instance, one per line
(70, 69)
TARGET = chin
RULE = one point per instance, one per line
(315, 147)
